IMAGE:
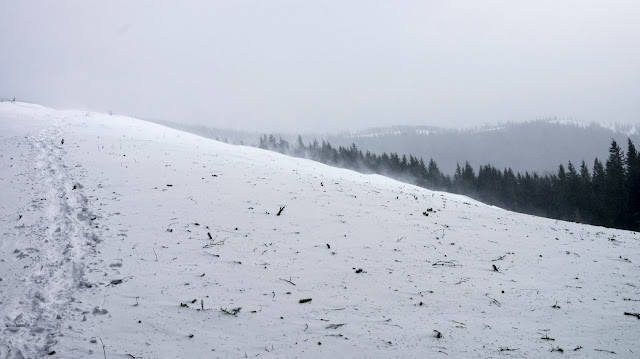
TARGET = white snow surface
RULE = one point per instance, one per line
(105, 241)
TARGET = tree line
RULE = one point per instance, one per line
(606, 194)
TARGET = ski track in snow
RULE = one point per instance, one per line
(132, 264)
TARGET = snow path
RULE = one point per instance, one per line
(133, 265)
(50, 249)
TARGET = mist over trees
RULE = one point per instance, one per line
(523, 146)
(534, 146)
(606, 194)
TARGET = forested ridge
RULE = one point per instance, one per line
(607, 193)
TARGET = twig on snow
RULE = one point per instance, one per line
(103, 350)
(637, 315)
(494, 301)
(214, 243)
(546, 337)
(288, 281)
(335, 326)
(606, 351)
(447, 264)
(460, 324)
(233, 311)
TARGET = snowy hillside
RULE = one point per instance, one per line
(161, 244)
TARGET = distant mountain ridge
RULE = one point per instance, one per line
(623, 129)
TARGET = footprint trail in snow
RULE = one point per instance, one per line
(47, 245)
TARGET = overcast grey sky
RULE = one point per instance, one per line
(327, 65)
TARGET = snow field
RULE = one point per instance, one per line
(125, 258)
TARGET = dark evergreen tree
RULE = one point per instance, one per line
(300, 148)
(573, 193)
(598, 182)
(434, 176)
(633, 186)
(585, 197)
(615, 191)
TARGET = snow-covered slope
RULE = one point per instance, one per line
(105, 241)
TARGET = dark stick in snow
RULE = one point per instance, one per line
(606, 351)
(233, 312)
(637, 315)
(546, 337)
(288, 281)
(446, 263)
(103, 350)
(494, 301)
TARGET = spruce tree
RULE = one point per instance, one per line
(615, 191)
(434, 176)
(633, 186)
(300, 147)
(572, 192)
(561, 206)
(598, 192)
(584, 188)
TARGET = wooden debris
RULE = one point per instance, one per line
(446, 264)
(637, 315)
(335, 326)
(606, 351)
(233, 311)
(288, 281)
